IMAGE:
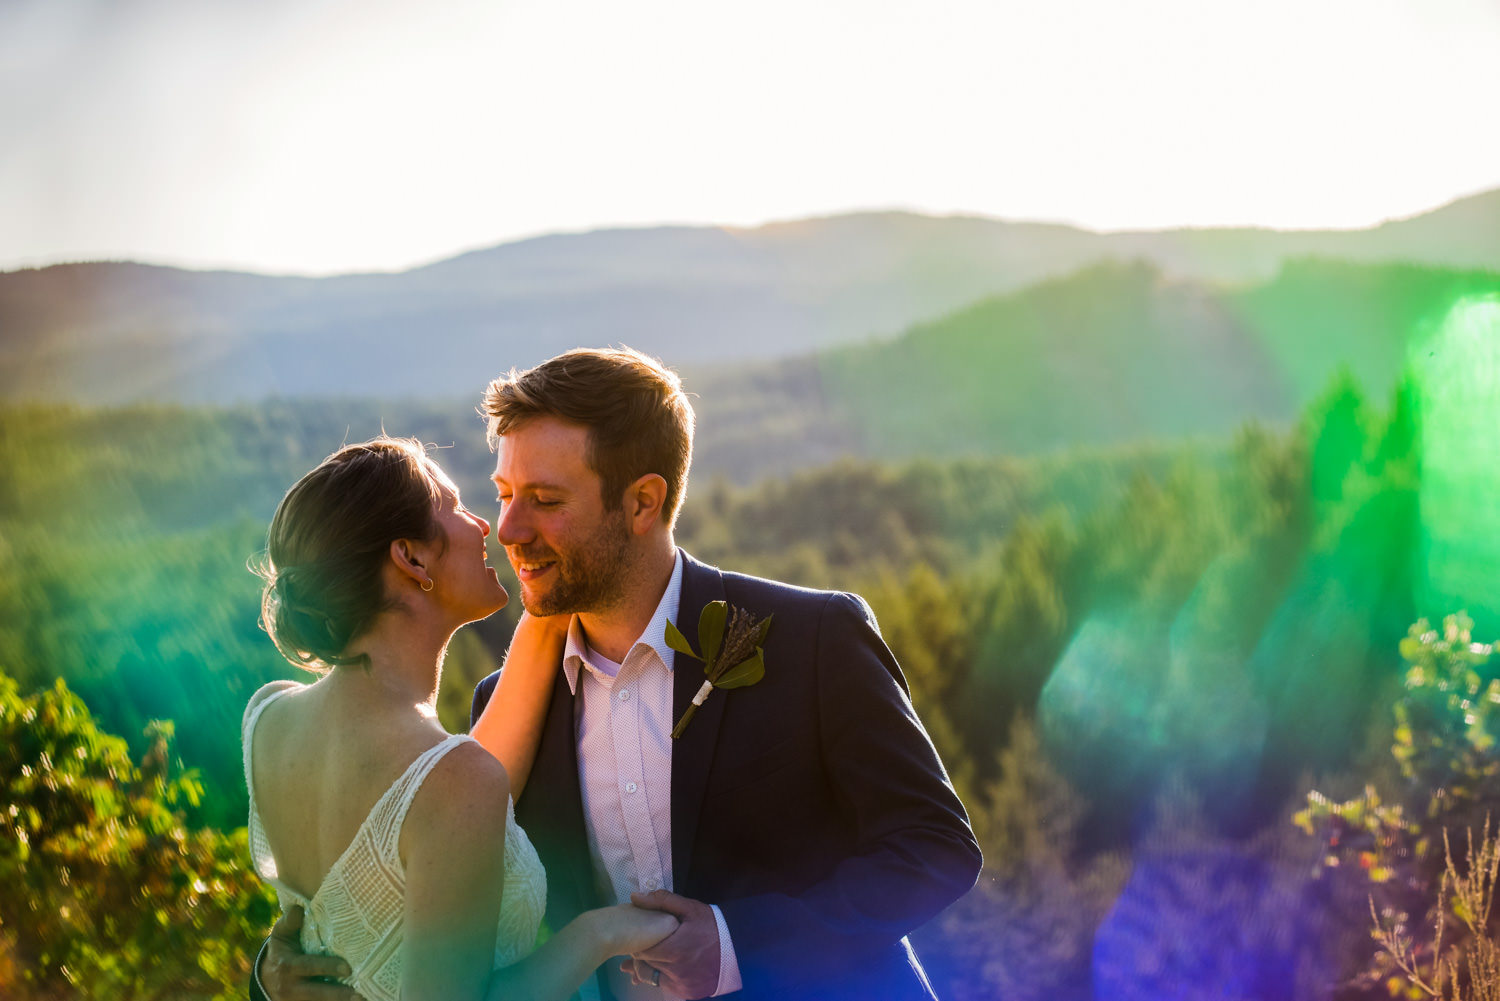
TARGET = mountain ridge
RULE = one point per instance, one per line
(118, 332)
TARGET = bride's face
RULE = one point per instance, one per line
(463, 579)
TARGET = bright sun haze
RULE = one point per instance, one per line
(297, 137)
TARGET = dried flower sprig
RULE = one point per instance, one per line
(730, 640)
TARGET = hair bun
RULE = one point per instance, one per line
(328, 540)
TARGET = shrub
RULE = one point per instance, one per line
(105, 892)
(1444, 745)
(1467, 973)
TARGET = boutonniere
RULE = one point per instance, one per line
(730, 639)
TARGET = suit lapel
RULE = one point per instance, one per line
(551, 811)
(692, 753)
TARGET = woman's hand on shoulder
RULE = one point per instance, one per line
(554, 627)
(511, 725)
(540, 637)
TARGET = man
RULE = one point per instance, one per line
(799, 827)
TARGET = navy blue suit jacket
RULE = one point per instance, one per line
(810, 807)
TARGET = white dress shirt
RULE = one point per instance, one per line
(623, 720)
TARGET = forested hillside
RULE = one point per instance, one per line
(128, 530)
(1120, 352)
(132, 530)
(1141, 655)
(1114, 648)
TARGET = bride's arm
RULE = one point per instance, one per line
(453, 850)
(453, 845)
(568, 958)
(511, 725)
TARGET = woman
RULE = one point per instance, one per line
(397, 839)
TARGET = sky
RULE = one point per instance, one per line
(329, 136)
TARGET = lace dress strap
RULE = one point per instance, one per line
(387, 816)
(260, 847)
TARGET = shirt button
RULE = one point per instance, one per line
(624, 694)
(630, 787)
(651, 884)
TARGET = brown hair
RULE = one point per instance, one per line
(328, 540)
(639, 420)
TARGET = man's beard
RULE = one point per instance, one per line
(589, 577)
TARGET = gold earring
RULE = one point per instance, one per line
(427, 584)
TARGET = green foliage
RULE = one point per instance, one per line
(850, 521)
(1023, 624)
(107, 893)
(929, 624)
(1446, 723)
(1155, 545)
(1340, 428)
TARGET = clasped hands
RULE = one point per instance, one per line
(686, 962)
(688, 959)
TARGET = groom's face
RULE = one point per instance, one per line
(569, 553)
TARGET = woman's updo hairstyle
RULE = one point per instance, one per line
(329, 540)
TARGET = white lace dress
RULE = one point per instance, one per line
(357, 912)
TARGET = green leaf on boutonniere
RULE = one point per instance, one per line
(747, 673)
(679, 642)
(711, 629)
(730, 639)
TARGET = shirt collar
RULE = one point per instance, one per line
(654, 636)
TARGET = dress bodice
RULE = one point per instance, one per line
(357, 912)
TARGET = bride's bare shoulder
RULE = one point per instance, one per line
(265, 692)
(470, 767)
(466, 791)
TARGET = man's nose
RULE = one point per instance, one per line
(510, 525)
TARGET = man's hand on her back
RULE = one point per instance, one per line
(288, 974)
